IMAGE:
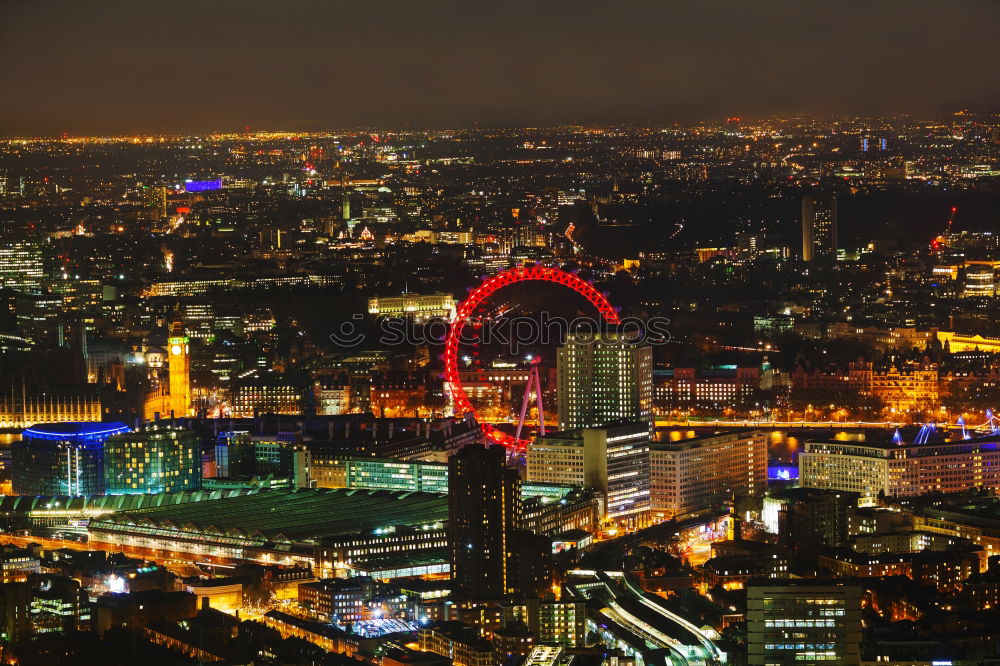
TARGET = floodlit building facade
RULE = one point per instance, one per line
(695, 473)
(901, 469)
(21, 407)
(416, 306)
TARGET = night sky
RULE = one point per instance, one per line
(215, 65)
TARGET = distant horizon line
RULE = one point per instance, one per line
(395, 128)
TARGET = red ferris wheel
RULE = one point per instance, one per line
(481, 294)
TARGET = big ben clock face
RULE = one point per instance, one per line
(175, 350)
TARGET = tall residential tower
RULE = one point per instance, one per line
(819, 228)
(604, 378)
(483, 510)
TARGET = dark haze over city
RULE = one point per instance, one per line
(217, 66)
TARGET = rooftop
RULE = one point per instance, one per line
(94, 505)
(284, 516)
(701, 440)
(807, 493)
(981, 512)
(77, 431)
(576, 434)
(980, 443)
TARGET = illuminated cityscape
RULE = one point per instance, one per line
(535, 334)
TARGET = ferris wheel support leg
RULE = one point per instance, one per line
(524, 405)
(538, 394)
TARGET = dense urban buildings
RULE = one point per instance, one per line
(710, 392)
(791, 428)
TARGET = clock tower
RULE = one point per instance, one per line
(180, 371)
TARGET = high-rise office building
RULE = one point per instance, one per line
(819, 227)
(234, 455)
(22, 265)
(613, 461)
(980, 281)
(484, 503)
(695, 473)
(155, 197)
(153, 460)
(61, 458)
(283, 456)
(803, 621)
(604, 378)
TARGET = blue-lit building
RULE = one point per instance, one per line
(61, 458)
(202, 185)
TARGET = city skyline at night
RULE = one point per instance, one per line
(523, 334)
